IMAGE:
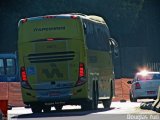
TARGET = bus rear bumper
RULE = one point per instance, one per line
(62, 102)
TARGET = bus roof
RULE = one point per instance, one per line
(71, 15)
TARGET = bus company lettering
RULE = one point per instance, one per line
(48, 29)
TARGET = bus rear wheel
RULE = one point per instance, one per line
(95, 96)
(58, 107)
(46, 108)
(36, 108)
(107, 102)
(92, 104)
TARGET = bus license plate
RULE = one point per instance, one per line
(151, 92)
(54, 93)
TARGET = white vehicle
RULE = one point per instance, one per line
(144, 85)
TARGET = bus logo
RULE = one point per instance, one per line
(53, 72)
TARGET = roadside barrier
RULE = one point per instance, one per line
(122, 90)
(15, 95)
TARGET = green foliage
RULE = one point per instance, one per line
(122, 16)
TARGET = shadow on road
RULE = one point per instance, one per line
(63, 113)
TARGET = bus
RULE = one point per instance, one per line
(66, 59)
(8, 68)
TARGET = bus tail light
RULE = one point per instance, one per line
(74, 17)
(50, 39)
(81, 75)
(24, 80)
(49, 16)
(137, 85)
(24, 20)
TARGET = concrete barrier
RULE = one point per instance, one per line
(15, 95)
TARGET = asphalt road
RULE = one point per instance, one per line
(118, 111)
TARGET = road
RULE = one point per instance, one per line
(118, 111)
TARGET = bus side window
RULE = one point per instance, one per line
(90, 40)
(10, 68)
(96, 36)
(2, 72)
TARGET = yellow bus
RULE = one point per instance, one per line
(65, 59)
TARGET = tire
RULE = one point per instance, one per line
(58, 107)
(95, 96)
(92, 104)
(36, 108)
(46, 108)
(87, 105)
(132, 99)
(9, 107)
(107, 102)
